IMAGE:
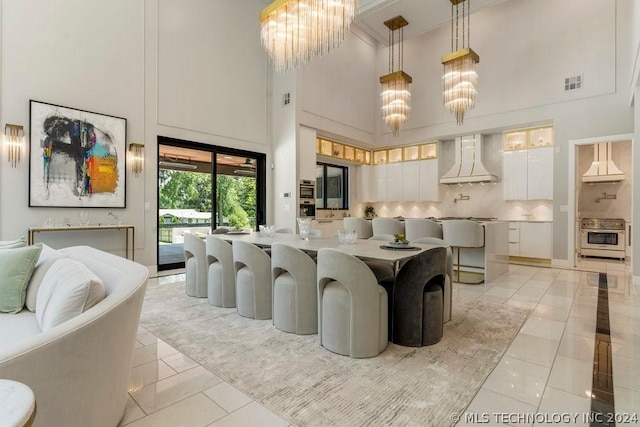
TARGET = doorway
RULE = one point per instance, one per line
(201, 188)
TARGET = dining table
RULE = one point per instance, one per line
(365, 249)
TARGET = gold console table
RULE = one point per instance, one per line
(127, 228)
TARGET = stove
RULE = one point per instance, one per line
(602, 237)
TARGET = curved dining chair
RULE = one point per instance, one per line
(448, 283)
(295, 296)
(416, 296)
(382, 270)
(253, 280)
(361, 226)
(352, 307)
(195, 262)
(390, 226)
(221, 289)
(416, 228)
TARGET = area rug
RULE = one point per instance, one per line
(307, 385)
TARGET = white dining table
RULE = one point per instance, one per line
(362, 248)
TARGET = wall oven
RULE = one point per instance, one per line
(603, 237)
(307, 190)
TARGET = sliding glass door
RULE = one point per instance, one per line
(201, 188)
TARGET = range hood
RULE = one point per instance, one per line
(603, 169)
(468, 165)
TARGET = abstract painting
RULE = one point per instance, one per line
(77, 158)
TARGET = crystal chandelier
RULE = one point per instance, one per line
(395, 96)
(460, 77)
(294, 31)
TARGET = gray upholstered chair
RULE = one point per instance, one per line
(416, 228)
(221, 289)
(253, 280)
(381, 270)
(352, 307)
(387, 226)
(460, 234)
(295, 294)
(362, 227)
(195, 263)
(448, 283)
(416, 298)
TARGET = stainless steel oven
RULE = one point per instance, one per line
(603, 237)
(307, 190)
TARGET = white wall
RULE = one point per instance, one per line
(170, 68)
(85, 54)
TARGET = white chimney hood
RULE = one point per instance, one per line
(603, 169)
(468, 165)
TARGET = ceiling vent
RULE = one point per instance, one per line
(468, 165)
(602, 168)
(573, 83)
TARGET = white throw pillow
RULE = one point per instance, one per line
(46, 260)
(68, 289)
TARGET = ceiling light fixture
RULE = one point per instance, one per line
(395, 96)
(294, 31)
(460, 77)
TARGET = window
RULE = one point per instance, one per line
(332, 186)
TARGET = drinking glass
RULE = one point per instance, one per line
(84, 218)
(304, 224)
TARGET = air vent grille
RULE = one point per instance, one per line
(572, 83)
(286, 99)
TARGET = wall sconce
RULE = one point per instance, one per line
(14, 139)
(137, 157)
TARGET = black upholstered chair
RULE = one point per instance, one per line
(416, 299)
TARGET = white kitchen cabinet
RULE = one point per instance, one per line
(514, 239)
(410, 181)
(429, 182)
(307, 154)
(363, 188)
(514, 175)
(528, 174)
(540, 173)
(536, 239)
(328, 227)
(379, 178)
(394, 182)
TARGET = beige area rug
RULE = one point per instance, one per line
(293, 376)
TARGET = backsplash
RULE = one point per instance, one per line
(587, 193)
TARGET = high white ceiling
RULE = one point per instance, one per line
(422, 15)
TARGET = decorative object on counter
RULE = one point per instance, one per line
(77, 158)
(267, 230)
(399, 238)
(347, 237)
(369, 212)
(395, 97)
(460, 77)
(84, 217)
(304, 225)
(294, 31)
(462, 197)
(14, 140)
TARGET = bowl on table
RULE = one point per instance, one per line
(267, 230)
(347, 237)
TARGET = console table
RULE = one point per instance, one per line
(128, 230)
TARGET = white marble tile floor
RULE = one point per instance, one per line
(547, 370)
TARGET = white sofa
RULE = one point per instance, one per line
(79, 370)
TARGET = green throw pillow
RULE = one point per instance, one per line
(16, 267)
(10, 244)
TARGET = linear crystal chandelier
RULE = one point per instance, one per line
(294, 31)
(460, 77)
(395, 96)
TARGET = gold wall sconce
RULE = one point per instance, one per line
(14, 141)
(137, 158)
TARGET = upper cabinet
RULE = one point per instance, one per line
(528, 164)
(347, 152)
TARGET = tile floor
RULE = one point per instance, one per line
(547, 370)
